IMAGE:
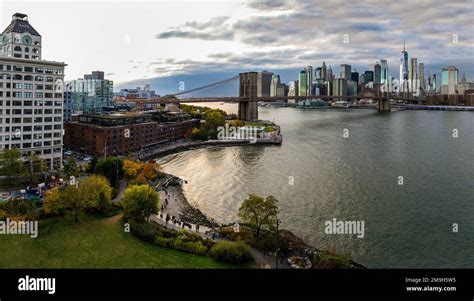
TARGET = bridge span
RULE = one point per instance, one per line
(248, 97)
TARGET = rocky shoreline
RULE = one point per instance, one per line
(170, 189)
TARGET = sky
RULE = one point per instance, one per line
(141, 41)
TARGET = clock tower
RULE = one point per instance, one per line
(20, 39)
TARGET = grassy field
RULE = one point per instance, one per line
(94, 243)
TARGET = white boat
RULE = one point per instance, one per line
(341, 104)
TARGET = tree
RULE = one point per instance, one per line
(65, 201)
(139, 202)
(151, 170)
(131, 168)
(214, 119)
(91, 166)
(71, 168)
(111, 168)
(199, 134)
(10, 163)
(96, 193)
(259, 213)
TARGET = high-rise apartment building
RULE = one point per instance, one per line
(324, 71)
(377, 73)
(264, 79)
(345, 72)
(421, 75)
(413, 75)
(274, 84)
(309, 78)
(92, 93)
(384, 72)
(449, 80)
(303, 83)
(31, 95)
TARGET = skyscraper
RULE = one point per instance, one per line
(309, 84)
(318, 73)
(264, 79)
(324, 71)
(421, 76)
(369, 76)
(92, 93)
(377, 73)
(274, 84)
(449, 80)
(329, 74)
(345, 71)
(303, 83)
(355, 76)
(404, 69)
(383, 72)
(31, 95)
(413, 75)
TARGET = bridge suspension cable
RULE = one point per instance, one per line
(207, 86)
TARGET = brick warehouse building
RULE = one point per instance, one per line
(121, 134)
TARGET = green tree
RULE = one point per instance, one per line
(111, 168)
(10, 163)
(139, 202)
(259, 213)
(71, 168)
(214, 119)
(91, 166)
(96, 193)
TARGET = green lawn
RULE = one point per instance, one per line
(94, 243)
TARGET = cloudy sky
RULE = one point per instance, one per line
(143, 40)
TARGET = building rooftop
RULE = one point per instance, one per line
(20, 24)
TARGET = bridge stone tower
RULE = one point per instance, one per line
(248, 110)
(383, 105)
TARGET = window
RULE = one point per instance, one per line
(38, 78)
(28, 69)
(27, 49)
(39, 94)
(17, 77)
(18, 68)
(39, 70)
(28, 77)
(16, 86)
(17, 48)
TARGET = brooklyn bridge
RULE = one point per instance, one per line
(248, 97)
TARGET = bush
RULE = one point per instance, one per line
(144, 231)
(192, 247)
(231, 252)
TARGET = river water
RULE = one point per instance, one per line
(356, 179)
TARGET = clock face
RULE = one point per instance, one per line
(27, 40)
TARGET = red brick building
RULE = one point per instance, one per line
(121, 134)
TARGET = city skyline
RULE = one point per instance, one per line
(228, 36)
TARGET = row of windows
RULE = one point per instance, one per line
(16, 94)
(31, 120)
(26, 86)
(36, 103)
(31, 69)
(28, 128)
(38, 78)
(29, 111)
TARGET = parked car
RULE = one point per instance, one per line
(87, 159)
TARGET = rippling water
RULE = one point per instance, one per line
(353, 179)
